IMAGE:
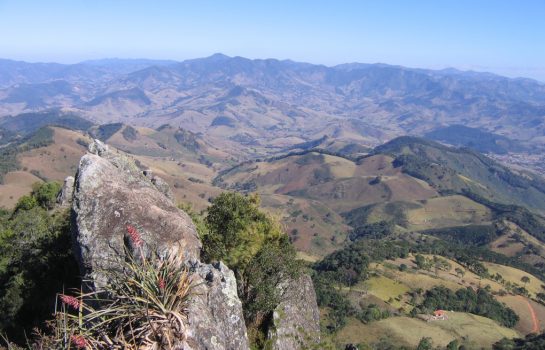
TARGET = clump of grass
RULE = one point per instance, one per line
(143, 306)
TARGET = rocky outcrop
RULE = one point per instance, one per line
(64, 198)
(296, 321)
(218, 290)
(110, 193)
(160, 184)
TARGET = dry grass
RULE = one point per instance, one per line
(307, 257)
(53, 162)
(385, 289)
(319, 229)
(428, 279)
(415, 279)
(177, 176)
(16, 184)
(519, 304)
(348, 186)
(377, 165)
(340, 167)
(57, 160)
(513, 242)
(507, 246)
(514, 275)
(481, 331)
(448, 211)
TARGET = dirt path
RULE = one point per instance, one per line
(535, 328)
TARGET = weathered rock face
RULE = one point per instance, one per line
(111, 193)
(297, 318)
(109, 196)
(160, 184)
(217, 292)
(64, 199)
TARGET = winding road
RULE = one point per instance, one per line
(535, 320)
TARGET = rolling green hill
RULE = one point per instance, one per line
(417, 184)
(29, 122)
(458, 170)
(381, 229)
(477, 139)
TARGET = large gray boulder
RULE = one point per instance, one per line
(111, 192)
(296, 320)
(64, 198)
(217, 297)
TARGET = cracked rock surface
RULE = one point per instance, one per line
(111, 192)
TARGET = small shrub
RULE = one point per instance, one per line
(46, 193)
(237, 229)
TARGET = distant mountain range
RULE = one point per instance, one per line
(271, 104)
(350, 159)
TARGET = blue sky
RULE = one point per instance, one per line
(506, 37)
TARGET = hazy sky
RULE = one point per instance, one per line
(506, 37)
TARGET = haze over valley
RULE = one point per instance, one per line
(270, 104)
(234, 202)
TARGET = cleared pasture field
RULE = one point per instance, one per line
(16, 184)
(480, 331)
(447, 211)
(57, 160)
(514, 275)
(428, 279)
(519, 304)
(385, 289)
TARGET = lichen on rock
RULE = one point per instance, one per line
(296, 320)
(64, 198)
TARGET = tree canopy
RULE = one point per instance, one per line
(252, 243)
(237, 229)
(36, 261)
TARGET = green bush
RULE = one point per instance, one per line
(470, 234)
(531, 342)
(337, 304)
(26, 203)
(129, 133)
(453, 345)
(347, 266)
(350, 264)
(372, 313)
(40, 138)
(425, 344)
(105, 131)
(261, 282)
(46, 193)
(197, 218)
(36, 262)
(375, 230)
(250, 242)
(237, 229)
(8, 161)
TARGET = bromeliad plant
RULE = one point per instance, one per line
(143, 306)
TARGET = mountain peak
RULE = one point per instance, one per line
(218, 56)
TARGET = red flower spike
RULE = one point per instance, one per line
(70, 301)
(79, 341)
(162, 284)
(134, 236)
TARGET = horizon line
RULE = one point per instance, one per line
(485, 70)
